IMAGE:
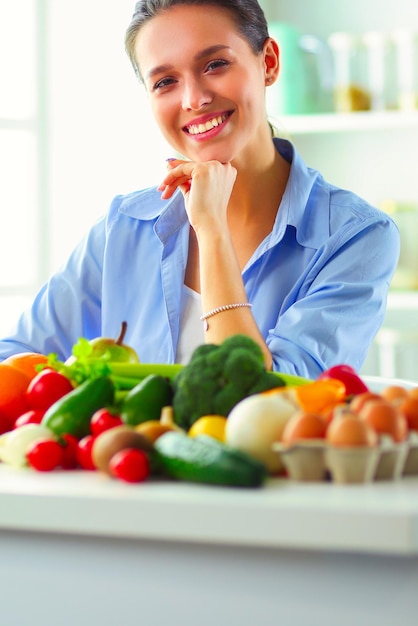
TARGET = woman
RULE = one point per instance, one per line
(240, 236)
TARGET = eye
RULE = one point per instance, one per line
(216, 65)
(163, 83)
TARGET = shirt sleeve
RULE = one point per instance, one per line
(341, 303)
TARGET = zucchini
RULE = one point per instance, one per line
(203, 459)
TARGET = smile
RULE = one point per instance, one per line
(198, 129)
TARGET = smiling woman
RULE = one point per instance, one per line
(238, 237)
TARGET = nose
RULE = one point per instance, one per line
(195, 95)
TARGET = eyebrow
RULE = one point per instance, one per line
(159, 69)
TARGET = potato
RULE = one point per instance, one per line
(152, 429)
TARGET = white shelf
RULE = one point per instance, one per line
(404, 300)
(345, 122)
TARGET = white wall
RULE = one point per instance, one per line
(102, 138)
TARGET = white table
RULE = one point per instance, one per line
(79, 549)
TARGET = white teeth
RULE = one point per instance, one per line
(195, 129)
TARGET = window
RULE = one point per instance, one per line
(75, 130)
(21, 136)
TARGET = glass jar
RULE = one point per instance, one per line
(351, 92)
(406, 44)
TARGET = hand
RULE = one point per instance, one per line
(206, 188)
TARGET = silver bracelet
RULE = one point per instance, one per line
(220, 309)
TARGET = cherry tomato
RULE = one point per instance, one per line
(103, 420)
(346, 374)
(34, 416)
(46, 388)
(69, 452)
(84, 452)
(131, 465)
(44, 455)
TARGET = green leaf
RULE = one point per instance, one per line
(83, 349)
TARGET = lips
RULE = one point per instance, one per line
(207, 125)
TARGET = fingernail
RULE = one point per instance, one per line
(171, 159)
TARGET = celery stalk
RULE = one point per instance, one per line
(291, 380)
(139, 371)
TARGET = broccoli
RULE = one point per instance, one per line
(218, 377)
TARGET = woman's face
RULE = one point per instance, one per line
(206, 86)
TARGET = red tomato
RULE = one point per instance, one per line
(84, 453)
(44, 455)
(6, 423)
(103, 420)
(69, 452)
(34, 416)
(131, 465)
(46, 388)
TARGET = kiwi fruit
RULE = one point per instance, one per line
(111, 441)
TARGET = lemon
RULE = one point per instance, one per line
(212, 425)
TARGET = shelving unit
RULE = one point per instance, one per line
(346, 122)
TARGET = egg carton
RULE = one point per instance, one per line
(316, 460)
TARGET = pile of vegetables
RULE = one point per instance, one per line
(212, 421)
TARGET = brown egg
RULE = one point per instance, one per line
(333, 412)
(409, 408)
(304, 426)
(385, 418)
(360, 400)
(413, 392)
(350, 430)
(394, 393)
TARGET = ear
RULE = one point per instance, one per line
(271, 59)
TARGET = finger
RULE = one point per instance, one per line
(175, 172)
(174, 180)
(179, 183)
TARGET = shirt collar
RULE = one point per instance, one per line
(305, 194)
(147, 204)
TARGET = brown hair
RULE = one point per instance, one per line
(247, 15)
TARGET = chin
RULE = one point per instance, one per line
(211, 154)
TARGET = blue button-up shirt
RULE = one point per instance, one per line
(318, 282)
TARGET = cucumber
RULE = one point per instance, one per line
(203, 459)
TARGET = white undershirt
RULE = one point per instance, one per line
(191, 328)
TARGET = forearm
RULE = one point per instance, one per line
(221, 284)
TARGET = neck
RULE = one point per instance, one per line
(259, 186)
